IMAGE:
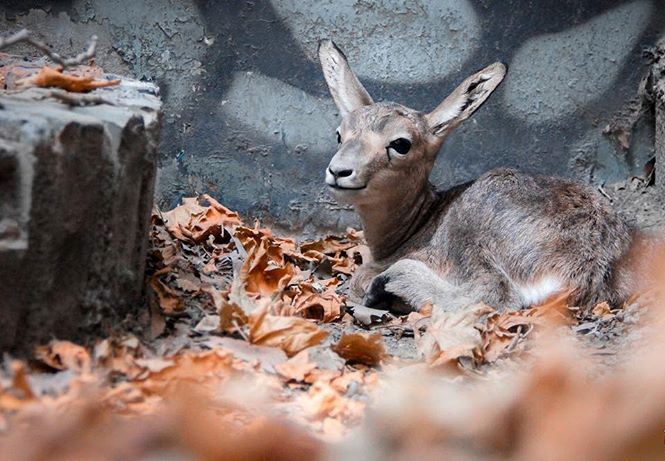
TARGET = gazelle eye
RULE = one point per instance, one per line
(339, 138)
(400, 145)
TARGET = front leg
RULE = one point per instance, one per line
(415, 284)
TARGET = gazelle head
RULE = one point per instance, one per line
(386, 148)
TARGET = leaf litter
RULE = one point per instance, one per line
(252, 343)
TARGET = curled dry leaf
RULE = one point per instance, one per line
(65, 355)
(329, 245)
(324, 401)
(266, 358)
(18, 393)
(306, 300)
(291, 334)
(195, 222)
(452, 339)
(340, 252)
(207, 368)
(231, 317)
(361, 348)
(297, 367)
(252, 237)
(170, 303)
(265, 271)
(48, 77)
(503, 332)
(602, 310)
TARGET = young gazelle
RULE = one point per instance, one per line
(507, 239)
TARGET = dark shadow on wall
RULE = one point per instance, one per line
(253, 38)
(12, 8)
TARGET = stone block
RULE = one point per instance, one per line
(76, 190)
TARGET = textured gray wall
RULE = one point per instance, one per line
(250, 120)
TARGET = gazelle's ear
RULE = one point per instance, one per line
(345, 88)
(466, 98)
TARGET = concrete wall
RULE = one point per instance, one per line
(248, 117)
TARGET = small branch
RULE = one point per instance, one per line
(601, 189)
(23, 36)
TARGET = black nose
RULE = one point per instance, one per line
(340, 173)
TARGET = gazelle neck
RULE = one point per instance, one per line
(393, 221)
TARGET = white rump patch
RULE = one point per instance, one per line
(540, 290)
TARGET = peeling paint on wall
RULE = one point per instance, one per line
(553, 75)
(403, 41)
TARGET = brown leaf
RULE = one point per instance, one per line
(231, 317)
(154, 364)
(194, 221)
(265, 270)
(212, 221)
(306, 300)
(502, 332)
(297, 367)
(330, 245)
(48, 77)
(361, 348)
(323, 401)
(291, 334)
(340, 251)
(170, 302)
(19, 392)
(602, 310)
(267, 358)
(208, 368)
(452, 338)
(64, 355)
(252, 237)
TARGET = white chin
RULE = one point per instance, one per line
(345, 195)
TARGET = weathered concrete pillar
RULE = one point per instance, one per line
(658, 90)
(76, 190)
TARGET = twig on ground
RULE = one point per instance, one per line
(240, 331)
(23, 36)
(605, 194)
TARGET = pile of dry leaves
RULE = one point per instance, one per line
(250, 350)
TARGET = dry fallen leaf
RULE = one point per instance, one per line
(252, 237)
(207, 368)
(305, 300)
(48, 77)
(18, 393)
(297, 367)
(329, 245)
(602, 310)
(170, 302)
(323, 401)
(231, 317)
(452, 339)
(64, 355)
(198, 218)
(265, 271)
(503, 332)
(291, 334)
(361, 348)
